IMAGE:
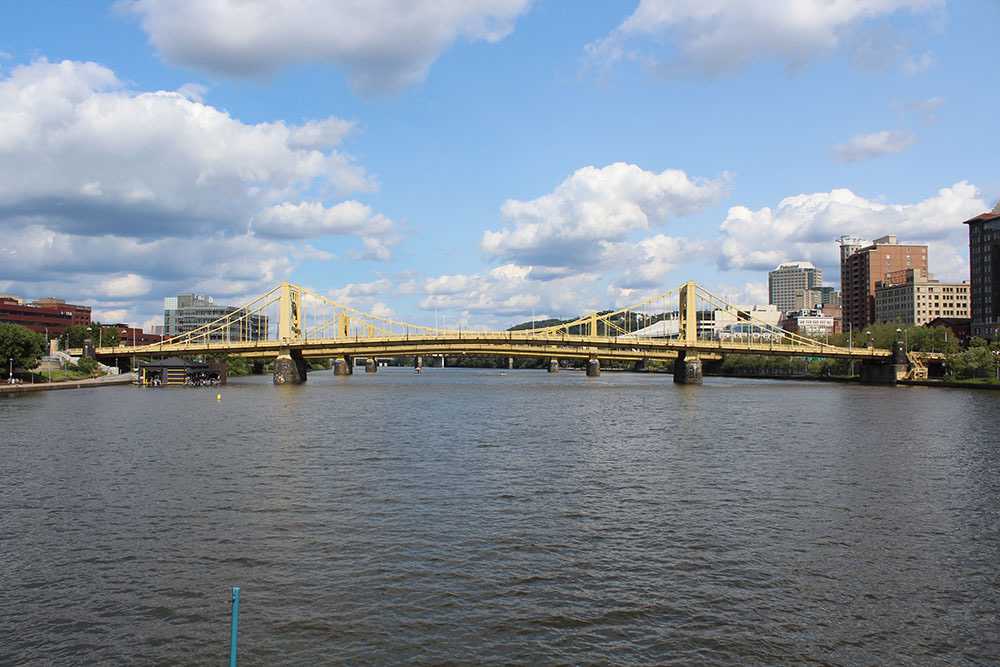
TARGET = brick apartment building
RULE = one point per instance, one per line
(133, 336)
(863, 266)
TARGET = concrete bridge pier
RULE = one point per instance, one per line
(593, 368)
(371, 365)
(888, 371)
(442, 361)
(343, 366)
(289, 368)
(553, 365)
(687, 369)
(510, 363)
(418, 362)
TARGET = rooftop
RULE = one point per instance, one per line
(986, 217)
(795, 265)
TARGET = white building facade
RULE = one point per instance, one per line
(912, 297)
(789, 280)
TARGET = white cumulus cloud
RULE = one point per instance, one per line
(312, 219)
(875, 144)
(805, 227)
(128, 285)
(110, 193)
(716, 36)
(381, 44)
(79, 149)
(594, 205)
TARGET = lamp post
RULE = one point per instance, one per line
(850, 345)
(871, 342)
(10, 373)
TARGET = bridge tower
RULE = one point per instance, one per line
(290, 366)
(289, 312)
(687, 366)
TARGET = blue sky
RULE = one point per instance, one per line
(484, 159)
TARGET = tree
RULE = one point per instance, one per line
(22, 345)
(102, 334)
(86, 365)
(76, 334)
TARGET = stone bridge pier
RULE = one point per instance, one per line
(343, 366)
(593, 368)
(553, 365)
(371, 365)
(687, 369)
(290, 367)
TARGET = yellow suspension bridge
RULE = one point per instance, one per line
(290, 323)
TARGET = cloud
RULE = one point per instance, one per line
(927, 109)
(109, 316)
(568, 226)
(805, 226)
(90, 157)
(712, 37)
(312, 219)
(193, 91)
(867, 146)
(128, 285)
(138, 272)
(109, 193)
(321, 134)
(916, 64)
(505, 292)
(648, 261)
(381, 44)
(353, 294)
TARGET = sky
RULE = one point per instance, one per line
(482, 162)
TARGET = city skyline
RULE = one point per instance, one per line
(513, 159)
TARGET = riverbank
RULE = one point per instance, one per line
(947, 384)
(107, 381)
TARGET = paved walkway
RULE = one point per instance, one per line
(105, 381)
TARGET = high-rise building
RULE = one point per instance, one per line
(187, 312)
(816, 297)
(789, 278)
(862, 266)
(911, 296)
(984, 263)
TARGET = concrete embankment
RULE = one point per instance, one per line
(127, 378)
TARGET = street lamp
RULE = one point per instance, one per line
(10, 373)
(906, 345)
(871, 342)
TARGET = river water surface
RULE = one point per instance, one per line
(469, 517)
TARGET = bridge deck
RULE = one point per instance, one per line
(513, 344)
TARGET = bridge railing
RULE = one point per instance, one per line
(687, 316)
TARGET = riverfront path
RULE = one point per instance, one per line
(106, 381)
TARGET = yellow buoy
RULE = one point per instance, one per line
(218, 397)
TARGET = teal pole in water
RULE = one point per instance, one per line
(235, 626)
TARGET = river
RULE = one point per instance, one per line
(478, 517)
